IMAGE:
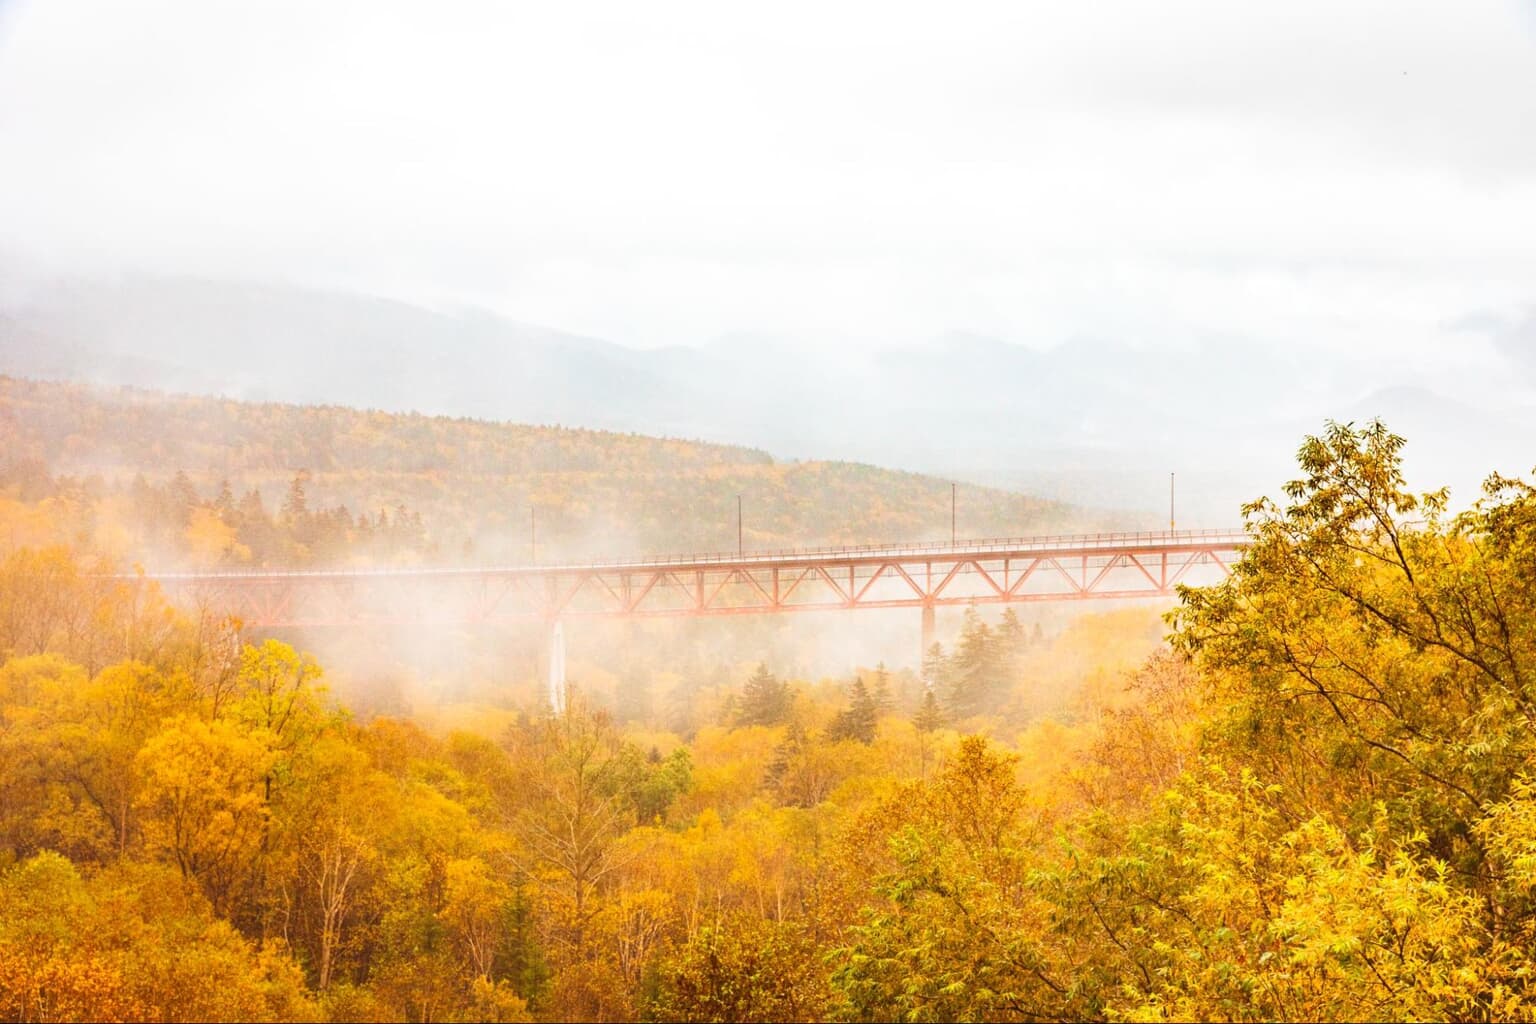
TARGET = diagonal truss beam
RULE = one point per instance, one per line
(1107, 567)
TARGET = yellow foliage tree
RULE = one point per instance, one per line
(202, 801)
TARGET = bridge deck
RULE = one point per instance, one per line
(987, 549)
(999, 570)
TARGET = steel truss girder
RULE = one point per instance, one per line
(710, 586)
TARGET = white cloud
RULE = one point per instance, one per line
(1323, 174)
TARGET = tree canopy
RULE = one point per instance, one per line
(1316, 801)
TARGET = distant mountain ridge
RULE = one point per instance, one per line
(265, 342)
(1090, 421)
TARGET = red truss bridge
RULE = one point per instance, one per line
(1103, 566)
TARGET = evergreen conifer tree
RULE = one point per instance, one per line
(881, 692)
(784, 754)
(225, 503)
(977, 673)
(930, 716)
(1010, 635)
(935, 669)
(764, 700)
(859, 719)
(928, 719)
(296, 505)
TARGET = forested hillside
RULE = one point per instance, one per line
(1022, 412)
(1319, 802)
(210, 481)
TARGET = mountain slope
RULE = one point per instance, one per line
(474, 481)
(1091, 420)
(269, 342)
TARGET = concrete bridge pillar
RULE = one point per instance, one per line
(928, 631)
(557, 668)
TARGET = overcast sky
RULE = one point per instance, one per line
(1320, 174)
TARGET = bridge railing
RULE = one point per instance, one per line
(1053, 541)
(992, 546)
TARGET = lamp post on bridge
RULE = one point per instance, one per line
(952, 515)
(738, 526)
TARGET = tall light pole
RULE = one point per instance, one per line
(951, 515)
(738, 526)
(1170, 503)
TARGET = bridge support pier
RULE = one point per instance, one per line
(557, 668)
(928, 631)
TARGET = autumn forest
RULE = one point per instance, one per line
(1308, 792)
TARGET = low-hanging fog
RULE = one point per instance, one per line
(1065, 248)
(1052, 249)
(362, 361)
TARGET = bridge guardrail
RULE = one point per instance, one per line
(993, 546)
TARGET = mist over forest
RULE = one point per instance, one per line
(996, 511)
(757, 818)
(1093, 421)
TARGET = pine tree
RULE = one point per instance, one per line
(977, 675)
(928, 719)
(784, 754)
(1010, 635)
(764, 700)
(884, 702)
(252, 507)
(935, 669)
(930, 716)
(255, 529)
(296, 506)
(859, 720)
(183, 496)
(225, 503)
